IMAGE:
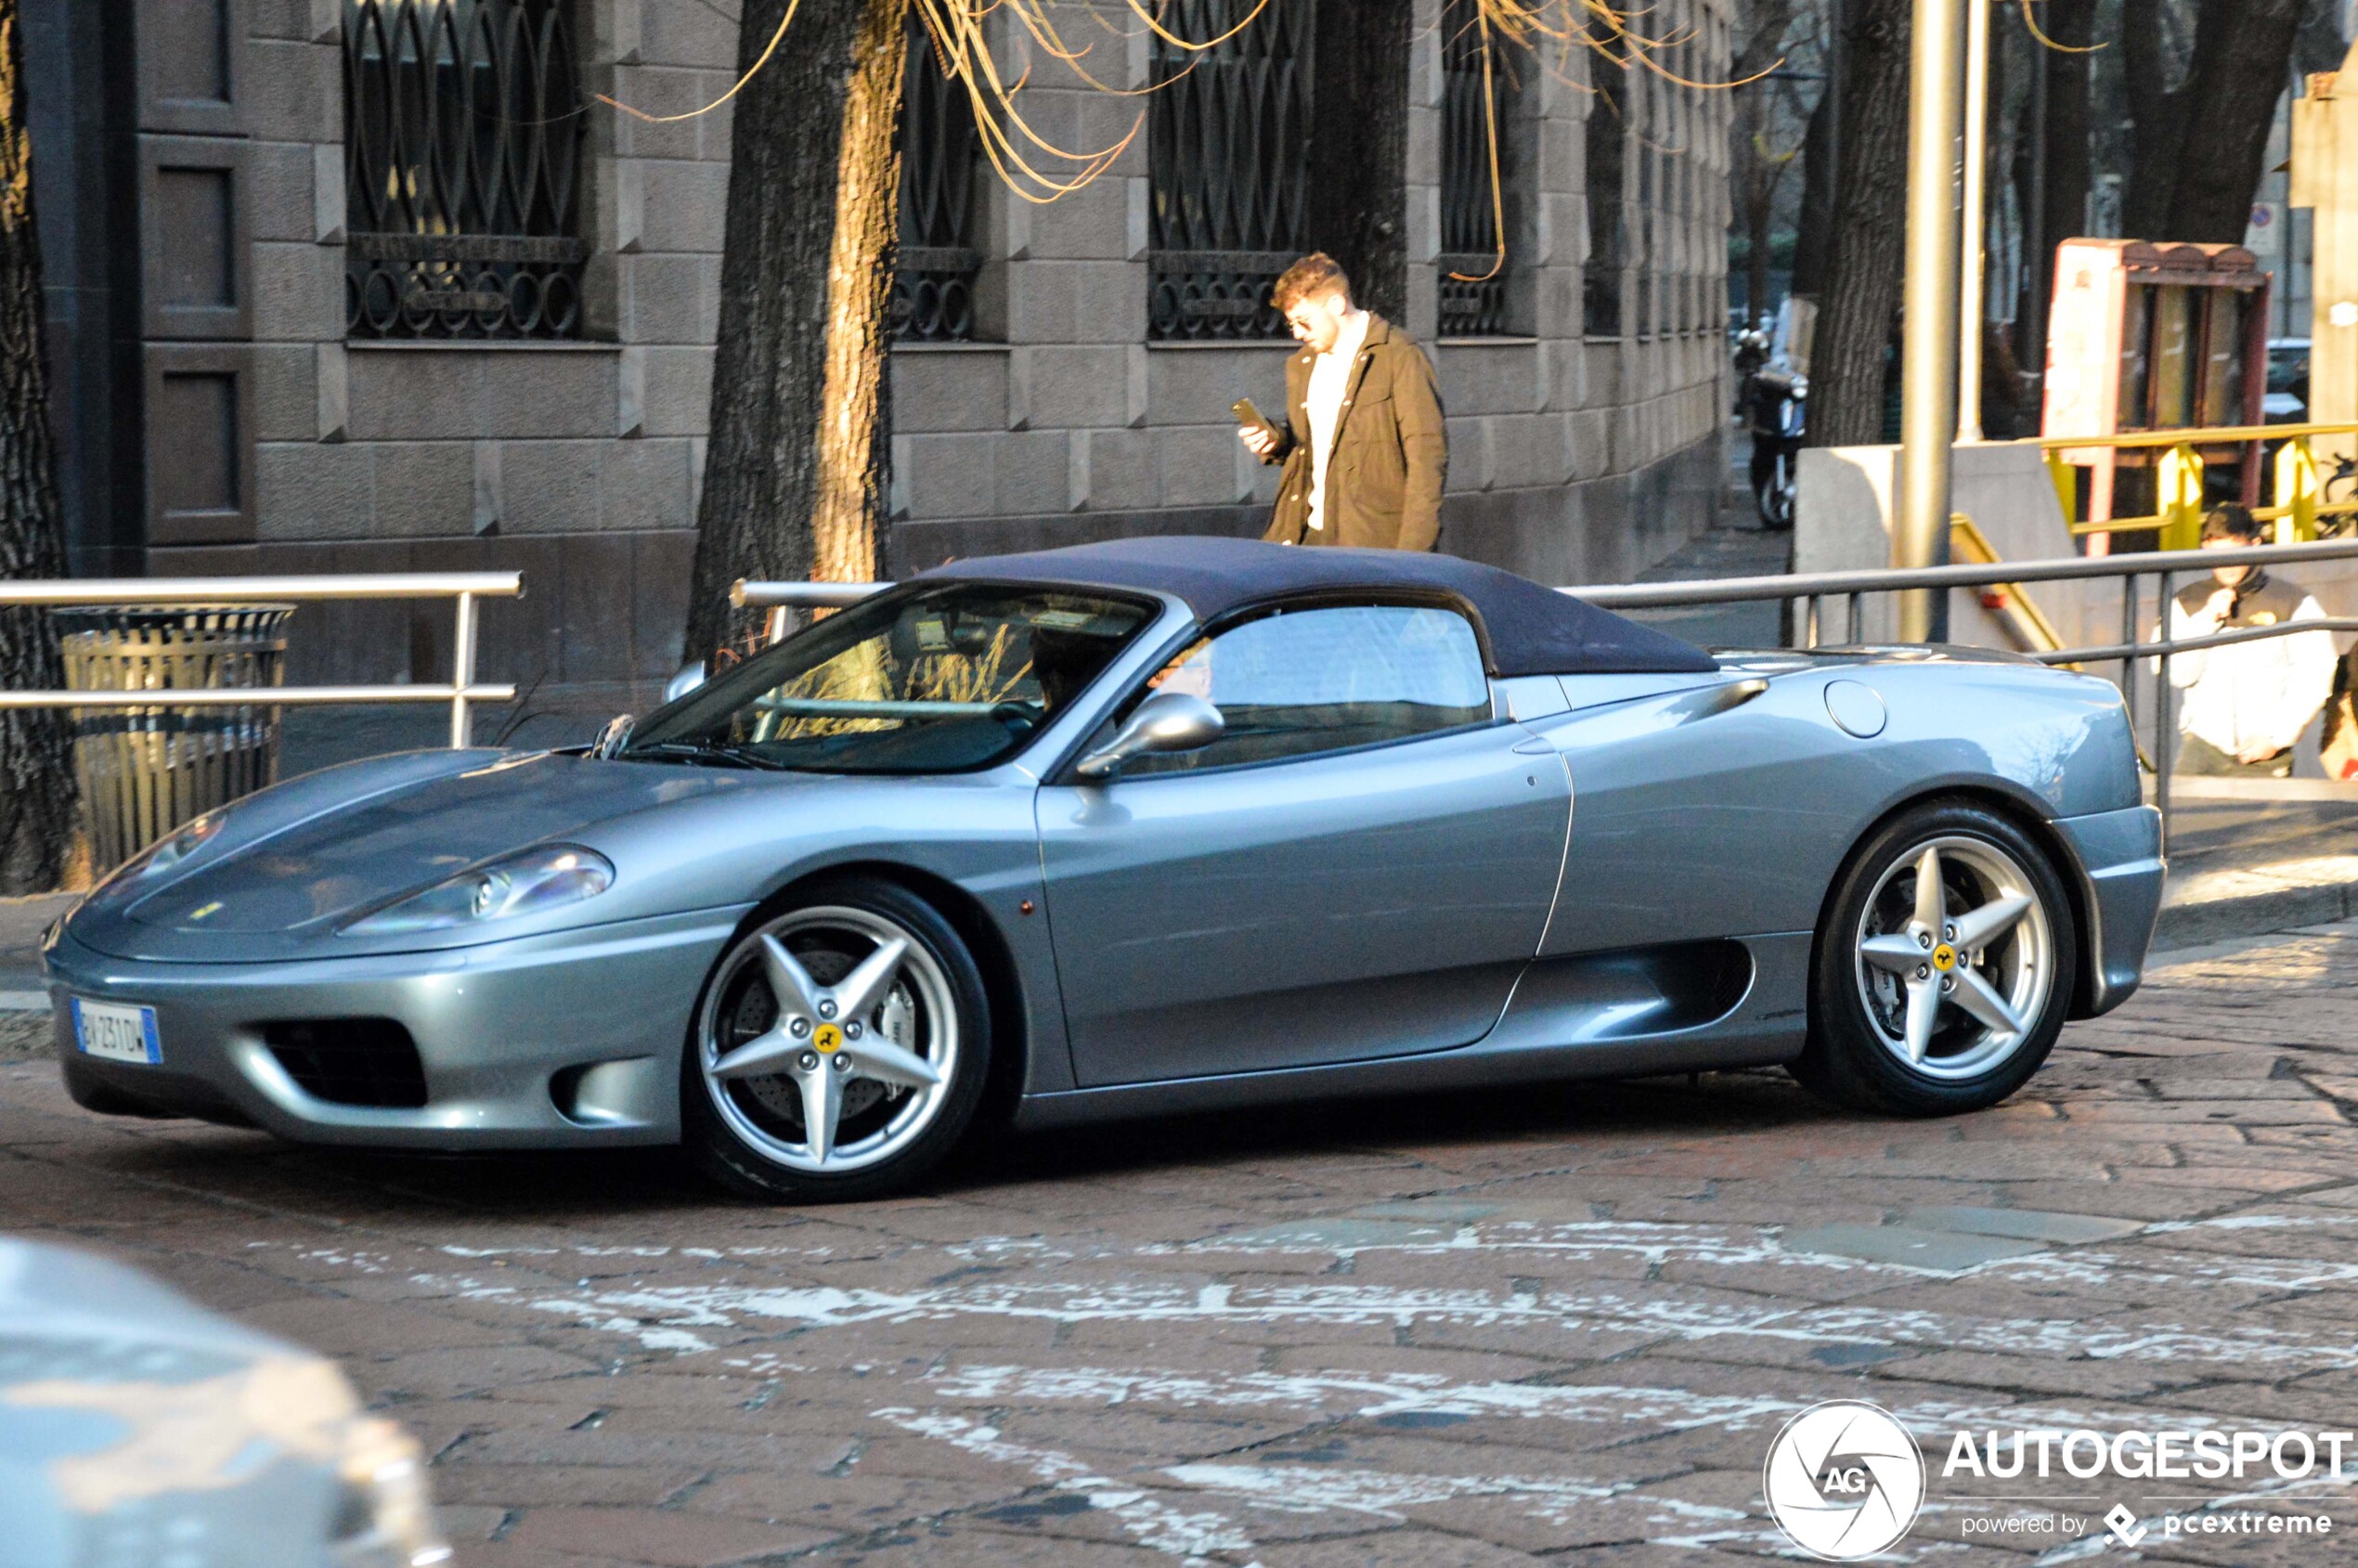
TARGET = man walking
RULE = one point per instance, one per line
(2245, 704)
(1364, 448)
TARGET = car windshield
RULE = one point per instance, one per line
(942, 679)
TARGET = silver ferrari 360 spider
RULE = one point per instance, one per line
(1165, 825)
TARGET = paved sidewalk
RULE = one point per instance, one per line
(1458, 1332)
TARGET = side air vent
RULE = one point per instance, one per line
(350, 1061)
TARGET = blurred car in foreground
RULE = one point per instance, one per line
(137, 1429)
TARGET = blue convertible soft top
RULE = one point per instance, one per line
(1526, 629)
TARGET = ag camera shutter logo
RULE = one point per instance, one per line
(1843, 1479)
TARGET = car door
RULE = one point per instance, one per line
(1715, 807)
(1358, 868)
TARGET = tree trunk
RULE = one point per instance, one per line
(2243, 56)
(1814, 234)
(777, 468)
(2199, 150)
(2063, 144)
(1359, 143)
(36, 761)
(1869, 233)
(855, 432)
(2157, 133)
(1757, 172)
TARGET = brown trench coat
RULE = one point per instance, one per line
(1390, 457)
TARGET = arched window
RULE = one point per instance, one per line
(933, 292)
(1606, 165)
(1470, 199)
(1228, 145)
(462, 137)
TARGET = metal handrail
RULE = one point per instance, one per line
(177, 594)
(2195, 436)
(1884, 579)
(1808, 590)
(750, 594)
(2299, 507)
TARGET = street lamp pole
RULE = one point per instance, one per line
(1977, 222)
(1928, 348)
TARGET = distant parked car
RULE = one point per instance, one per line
(137, 1429)
(2288, 398)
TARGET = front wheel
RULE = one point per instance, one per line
(1773, 487)
(839, 1049)
(1944, 967)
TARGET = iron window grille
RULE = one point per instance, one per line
(933, 291)
(1228, 163)
(1649, 250)
(1606, 164)
(462, 138)
(1468, 208)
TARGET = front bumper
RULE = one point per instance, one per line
(2120, 868)
(497, 1027)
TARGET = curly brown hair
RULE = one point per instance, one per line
(1314, 274)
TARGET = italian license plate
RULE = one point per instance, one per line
(117, 1032)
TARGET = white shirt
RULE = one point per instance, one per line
(1330, 382)
(2258, 694)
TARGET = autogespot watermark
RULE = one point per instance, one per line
(1843, 1479)
(1847, 1480)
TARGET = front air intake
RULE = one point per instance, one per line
(350, 1061)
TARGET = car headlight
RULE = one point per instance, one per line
(530, 883)
(387, 1519)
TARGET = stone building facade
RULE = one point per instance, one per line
(303, 320)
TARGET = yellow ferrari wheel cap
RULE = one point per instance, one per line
(1944, 958)
(828, 1040)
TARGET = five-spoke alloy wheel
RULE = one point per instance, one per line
(1944, 969)
(839, 1048)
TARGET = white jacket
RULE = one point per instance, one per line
(2250, 695)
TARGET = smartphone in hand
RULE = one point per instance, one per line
(1248, 415)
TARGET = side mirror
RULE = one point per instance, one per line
(689, 677)
(1164, 722)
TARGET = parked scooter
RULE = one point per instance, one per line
(1776, 401)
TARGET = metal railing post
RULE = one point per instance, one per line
(2129, 639)
(1817, 608)
(1858, 615)
(2165, 746)
(463, 672)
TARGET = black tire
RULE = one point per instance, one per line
(746, 1145)
(1857, 1051)
(1774, 491)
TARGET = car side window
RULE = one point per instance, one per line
(1297, 682)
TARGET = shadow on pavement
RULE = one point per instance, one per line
(624, 1183)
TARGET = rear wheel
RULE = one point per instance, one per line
(1944, 967)
(839, 1049)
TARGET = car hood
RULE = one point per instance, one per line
(294, 862)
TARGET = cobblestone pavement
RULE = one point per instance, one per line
(1451, 1332)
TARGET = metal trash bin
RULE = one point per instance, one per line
(145, 771)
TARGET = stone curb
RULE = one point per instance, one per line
(2212, 906)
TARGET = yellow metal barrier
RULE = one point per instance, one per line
(2297, 493)
(2178, 489)
(2023, 618)
(2299, 502)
